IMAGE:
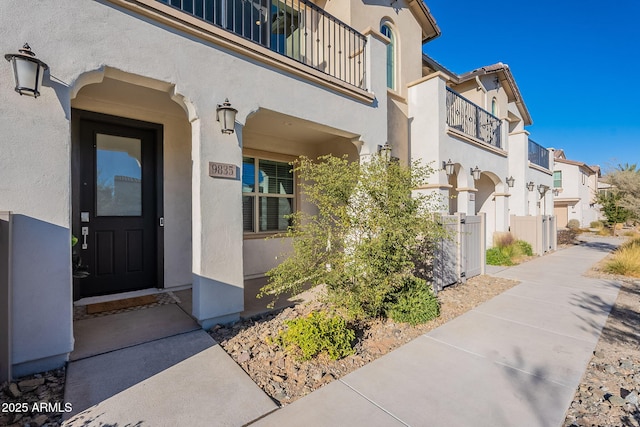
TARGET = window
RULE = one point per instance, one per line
(391, 60)
(494, 107)
(267, 195)
(557, 179)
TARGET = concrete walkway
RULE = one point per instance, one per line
(513, 361)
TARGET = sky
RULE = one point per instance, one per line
(575, 63)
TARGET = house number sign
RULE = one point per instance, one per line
(223, 170)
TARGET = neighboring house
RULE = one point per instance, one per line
(477, 121)
(575, 186)
(123, 148)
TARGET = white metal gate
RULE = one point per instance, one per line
(462, 254)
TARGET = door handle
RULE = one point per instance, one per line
(85, 233)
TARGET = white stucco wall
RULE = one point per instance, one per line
(35, 163)
(578, 183)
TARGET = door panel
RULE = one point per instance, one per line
(118, 188)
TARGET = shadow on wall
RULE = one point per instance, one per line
(41, 295)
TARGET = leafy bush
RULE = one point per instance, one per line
(369, 233)
(414, 303)
(525, 248)
(496, 256)
(626, 260)
(573, 224)
(596, 224)
(508, 255)
(309, 336)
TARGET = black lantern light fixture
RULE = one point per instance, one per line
(27, 71)
(448, 167)
(542, 189)
(385, 151)
(511, 181)
(530, 185)
(476, 173)
(226, 115)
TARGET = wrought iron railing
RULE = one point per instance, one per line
(538, 154)
(297, 29)
(468, 118)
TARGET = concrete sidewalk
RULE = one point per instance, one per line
(514, 361)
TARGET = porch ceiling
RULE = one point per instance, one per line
(272, 123)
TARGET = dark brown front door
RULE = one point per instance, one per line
(118, 213)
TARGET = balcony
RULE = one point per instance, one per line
(468, 118)
(297, 29)
(538, 155)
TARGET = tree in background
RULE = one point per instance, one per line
(621, 202)
(365, 240)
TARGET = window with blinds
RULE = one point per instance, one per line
(267, 195)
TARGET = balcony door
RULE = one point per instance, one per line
(118, 218)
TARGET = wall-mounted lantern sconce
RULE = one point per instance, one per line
(542, 189)
(385, 151)
(530, 186)
(226, 115)
(27, 71)
(556, 192)
(476, 173)
(448, 167)
(511, 181)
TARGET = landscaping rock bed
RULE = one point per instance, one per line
(286, 379)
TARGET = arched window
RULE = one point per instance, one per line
(494, 107)
(385, 29)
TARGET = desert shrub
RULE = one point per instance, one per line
(525, 248)
(309, 336)
(414, 303)
(573, 224)
(509, 254)
(596, 224)
(631, 233)
(503, 239)
(626, 260)
(369, 233)
(496, 256)
(567, 237)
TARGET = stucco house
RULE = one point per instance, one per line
(575, 187)
(162, 132)
(478, 124)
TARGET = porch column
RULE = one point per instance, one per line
(218, 285)
(467, 200)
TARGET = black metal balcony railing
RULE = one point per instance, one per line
(297, 29)
(538, 154)
(467, 117)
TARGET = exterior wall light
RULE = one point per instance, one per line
(530, 186)
(542, 189)
(448, 167)
(476, 173)
(385, 151)
(27, 71)
(511, 182)
(226, 115)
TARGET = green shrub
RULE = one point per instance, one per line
(496, 256)
(525, 247)
(596, 224)
(573, 224)
(367, 233)
(310, 336)
(414, 303)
